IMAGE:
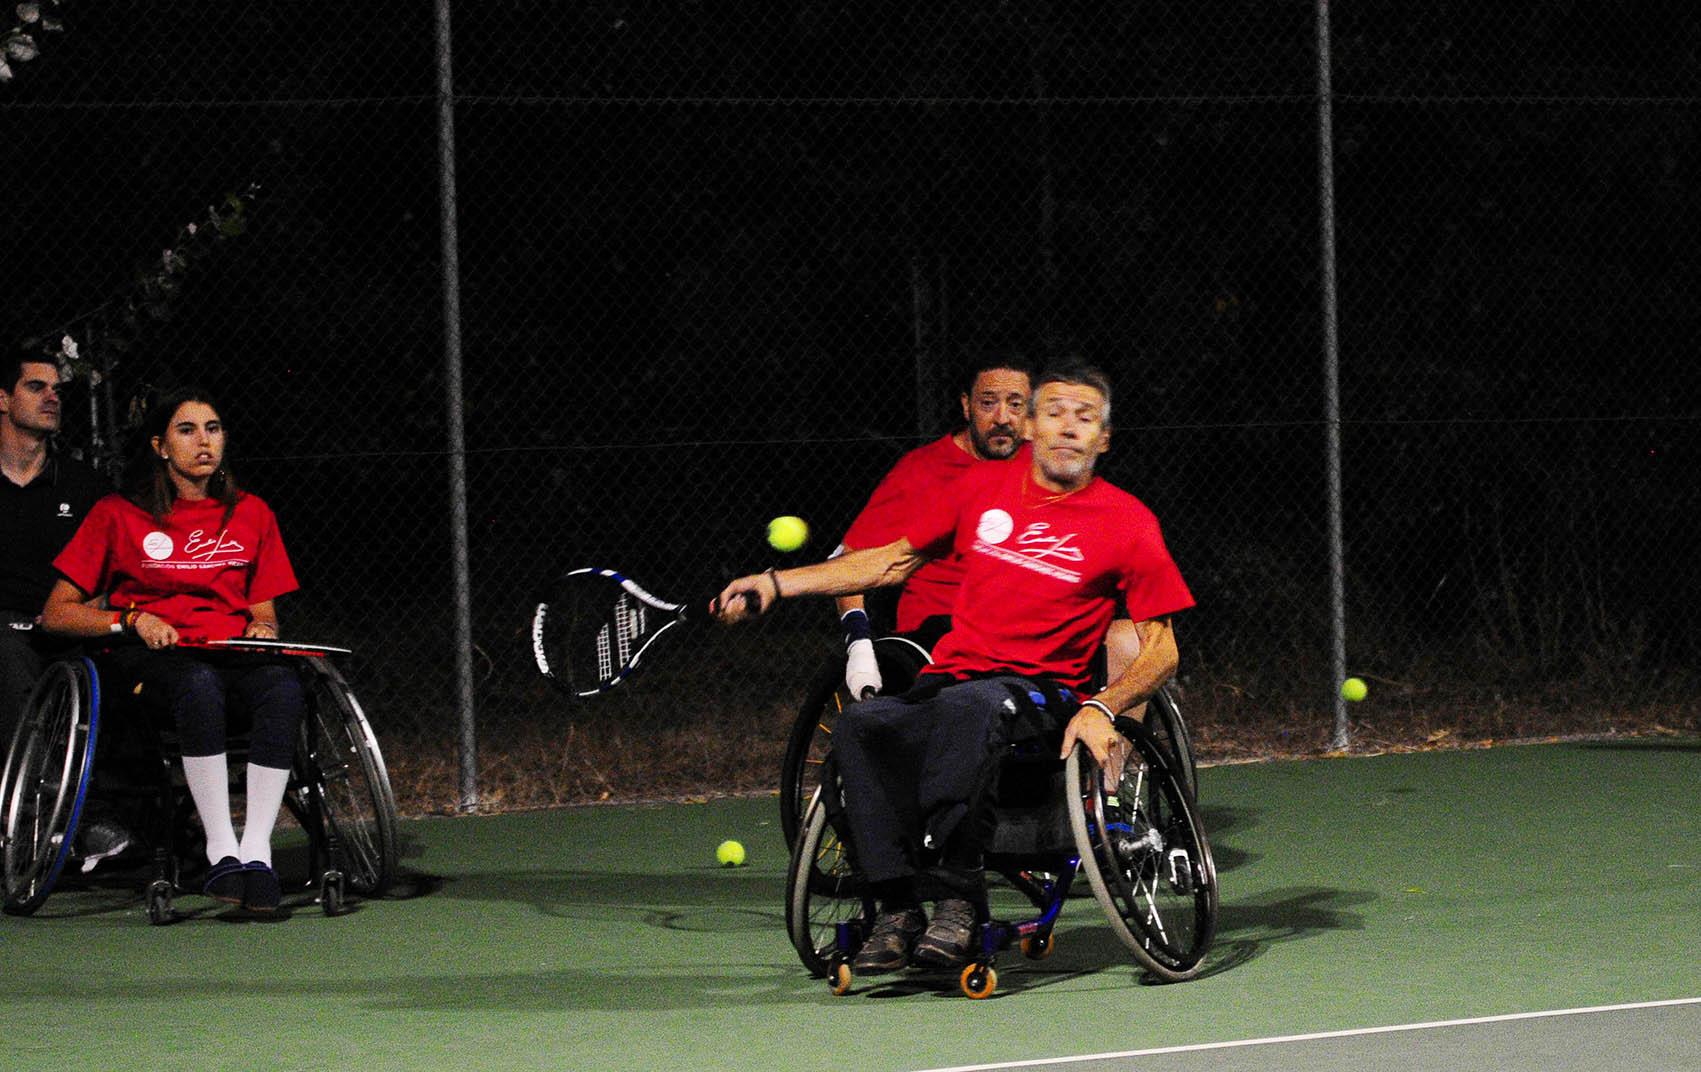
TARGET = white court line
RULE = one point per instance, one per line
(1350, 1033)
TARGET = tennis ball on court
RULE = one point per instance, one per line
(787, 533)
(730, 854)
(1354, 689)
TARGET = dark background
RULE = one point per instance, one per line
(719, 262)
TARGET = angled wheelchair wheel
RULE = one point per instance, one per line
(822, 891)
(1163, 718)
(900, 660)
(46, 781)
(342, 767)
(1146, 856)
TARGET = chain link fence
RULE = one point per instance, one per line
(720, 262)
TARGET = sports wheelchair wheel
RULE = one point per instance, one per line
(900, 660)
(1163, 718)
(46, 781)
(823, 892)
(1146, 856)
(345, 783)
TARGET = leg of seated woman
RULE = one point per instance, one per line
(195, 695)
(275, 700)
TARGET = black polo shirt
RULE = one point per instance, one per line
(36, 521)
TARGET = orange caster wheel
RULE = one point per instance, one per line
(1038, 946)
(979, 982)
(839, 977)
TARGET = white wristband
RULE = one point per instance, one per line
(1102, 706)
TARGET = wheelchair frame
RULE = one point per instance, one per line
(338, 791)
(901, 660)
(1142, 847)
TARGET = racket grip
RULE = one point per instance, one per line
(752, 604)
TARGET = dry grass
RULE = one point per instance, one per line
(643, 742)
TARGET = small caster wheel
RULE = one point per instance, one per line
(979, 982)
(1038, 946)
(331, 893)
(839, 978)
(160, 911)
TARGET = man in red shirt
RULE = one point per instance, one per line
(994, 401)
(1048, 553)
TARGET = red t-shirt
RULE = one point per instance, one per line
(197, 572)
(1042, 578)
(920, 476)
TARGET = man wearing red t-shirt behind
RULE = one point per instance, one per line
(1048, 552)
(994, 401)
(186, 555)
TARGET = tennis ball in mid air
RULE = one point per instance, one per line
(787, 533)
(1354, 689)
(730, 854)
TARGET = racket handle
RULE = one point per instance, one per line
(752, 604)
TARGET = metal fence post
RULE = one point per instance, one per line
(450, 238)
(1331, 373)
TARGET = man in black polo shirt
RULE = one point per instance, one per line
(44, 496)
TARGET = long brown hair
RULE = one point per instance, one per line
(148, 483)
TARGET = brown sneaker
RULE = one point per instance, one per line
(949, 941)
(888, 945)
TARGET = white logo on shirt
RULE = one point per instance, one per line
(994, 527)
(1035, 546)
(157, 545)
(64, 509)
(1037, 542)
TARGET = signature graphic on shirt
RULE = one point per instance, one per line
(1036, 548)
(199, 549)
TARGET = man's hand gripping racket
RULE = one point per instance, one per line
(594, 627)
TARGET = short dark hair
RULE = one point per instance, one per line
(988, 360)
(1081, 374)
(12, 368)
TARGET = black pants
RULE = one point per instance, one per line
(919, 770)
(198, 690)
(24, 653)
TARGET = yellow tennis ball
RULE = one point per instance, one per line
(1354, 689)
(787, 533)
(730, 854)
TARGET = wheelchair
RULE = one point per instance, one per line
(338, 789)
(1141, 846)
(900, 660)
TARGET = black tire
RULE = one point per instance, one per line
(1163, 718)
(342, 764)
(822, 891)
(1146, 856)
(899, 659)
(46, 781)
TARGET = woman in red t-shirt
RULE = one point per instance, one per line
(183, 554)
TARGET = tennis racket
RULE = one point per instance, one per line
(594, 626)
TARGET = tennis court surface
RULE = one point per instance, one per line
(1522, 907)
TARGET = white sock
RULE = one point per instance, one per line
(209, 787)
(266, 787)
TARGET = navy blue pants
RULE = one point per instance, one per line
(200, 691)
(918, 770)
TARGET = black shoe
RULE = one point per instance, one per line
(225, 881)
(888, 945)
(260, 889)
(101, 840)
(949, 941)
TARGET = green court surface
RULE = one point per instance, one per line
(1462, 889)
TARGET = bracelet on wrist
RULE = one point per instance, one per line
(1102, 706)
(775, 578)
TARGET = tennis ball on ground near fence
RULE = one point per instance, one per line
(787, 533)
(730, 854)
(1354, 689)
